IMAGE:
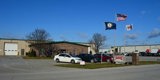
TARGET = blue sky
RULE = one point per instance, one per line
(78, 20)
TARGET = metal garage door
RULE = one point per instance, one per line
(11, 49)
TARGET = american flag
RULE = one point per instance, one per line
(121, 17)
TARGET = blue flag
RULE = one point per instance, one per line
(110, 25)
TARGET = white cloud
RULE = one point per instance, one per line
(62, 37)
(131, 36)
(154, 33)
(82, 35)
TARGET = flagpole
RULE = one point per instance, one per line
(110, 26)
(125, 39)
(115, 37)
(124, 42)
(120, 17)
(114, 42)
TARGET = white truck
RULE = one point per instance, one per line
(122, 59)
(154, 50)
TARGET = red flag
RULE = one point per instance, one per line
(129, 27)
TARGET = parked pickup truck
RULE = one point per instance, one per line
(122, 59)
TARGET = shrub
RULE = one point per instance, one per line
(31, 53)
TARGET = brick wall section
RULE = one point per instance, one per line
(72, 48)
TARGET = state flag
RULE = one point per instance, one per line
(110, 25)
(129, 27)
(121, 17)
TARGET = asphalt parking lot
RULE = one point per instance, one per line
(13, 64)
(16, 68)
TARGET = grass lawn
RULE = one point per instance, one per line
(104, 65)
(148, 62)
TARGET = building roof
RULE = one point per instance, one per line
(12, 39)
(53, 42)
(139, 45)
(75, 43)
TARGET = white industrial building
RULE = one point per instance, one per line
(104, 50)
(133, 48)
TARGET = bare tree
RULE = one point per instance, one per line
(98, 40)
(45, 49)
(38, 36)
